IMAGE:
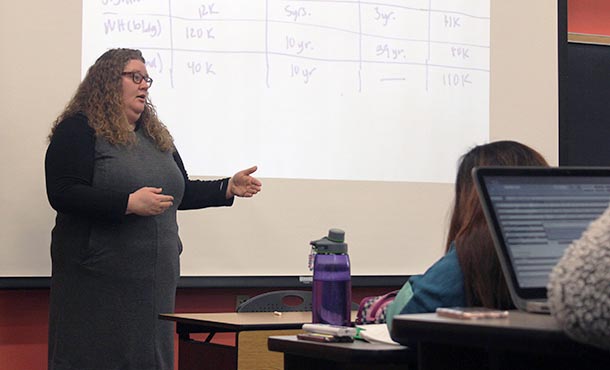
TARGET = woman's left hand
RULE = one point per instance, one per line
(244, 185)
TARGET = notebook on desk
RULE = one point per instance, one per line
(376, 333)
(533, 215)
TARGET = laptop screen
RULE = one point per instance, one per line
(535, 213)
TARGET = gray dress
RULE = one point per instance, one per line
(114, 274)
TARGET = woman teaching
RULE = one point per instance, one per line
(116, 181)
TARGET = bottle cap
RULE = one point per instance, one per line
(336, 235)
(331, 244)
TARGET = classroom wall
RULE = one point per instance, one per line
(24, 322)
(589, 16)
(23, 313)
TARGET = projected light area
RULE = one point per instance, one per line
(384, 91)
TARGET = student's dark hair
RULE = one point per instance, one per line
(484, 282)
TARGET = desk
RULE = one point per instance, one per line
(203, 355)
(522, 341)
(307, 355)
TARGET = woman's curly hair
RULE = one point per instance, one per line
(99, 97)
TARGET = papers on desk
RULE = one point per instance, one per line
(376, 333)
(373, 333)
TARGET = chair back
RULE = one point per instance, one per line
(280, 300)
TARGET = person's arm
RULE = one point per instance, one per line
(442, 285)
(402, 298)
(579, 286)
(69, 164)
(200, 193)
(216, 193)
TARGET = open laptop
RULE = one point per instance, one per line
(533, 215)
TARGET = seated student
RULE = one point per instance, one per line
(469, 274)
(579, 286)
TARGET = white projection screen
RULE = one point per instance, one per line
(355, 112)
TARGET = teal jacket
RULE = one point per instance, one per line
(442, 285)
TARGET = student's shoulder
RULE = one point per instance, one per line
(449, 260)
(447, 268)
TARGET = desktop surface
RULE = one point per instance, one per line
(302, 354)
(431, 327)
(522, 340)
(242, 320)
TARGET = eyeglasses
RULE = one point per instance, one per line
(137, 78)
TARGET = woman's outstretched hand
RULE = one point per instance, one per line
(244, 185)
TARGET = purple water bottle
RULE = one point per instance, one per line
(332, 285)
